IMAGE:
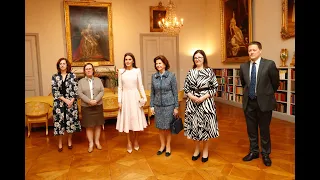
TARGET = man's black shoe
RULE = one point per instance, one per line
(266, 160)
(251, 156)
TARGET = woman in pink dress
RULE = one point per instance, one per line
(131, 98)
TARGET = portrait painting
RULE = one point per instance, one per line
(89, 35)
(288, 19)
(236, 30)
(157, 13)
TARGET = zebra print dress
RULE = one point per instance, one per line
(200, 118)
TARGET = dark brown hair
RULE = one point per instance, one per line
(124, 60)
(164, 61)
(68, 65)
(84, 68)
(256, 43)
(205, 61)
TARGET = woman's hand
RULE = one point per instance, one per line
(93, 102)
(202, 98)
(193, 98)
(152, 110)
(175, 112)
(119, 106)
(70, 103)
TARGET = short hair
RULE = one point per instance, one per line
(68, 65)
(256, 43)
(84, 68)
(164, 61)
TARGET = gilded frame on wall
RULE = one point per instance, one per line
(89, 36)
(288, 19)
(156, 14)
(236, 30)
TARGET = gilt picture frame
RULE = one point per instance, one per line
(288, 19)
(156, 14)
(236, 30)
(89, 37)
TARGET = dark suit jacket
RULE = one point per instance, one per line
(266, 85)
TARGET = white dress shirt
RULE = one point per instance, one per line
(91, 87)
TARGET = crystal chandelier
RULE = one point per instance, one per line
(170, 24)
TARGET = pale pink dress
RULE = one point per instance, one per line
(131, 116)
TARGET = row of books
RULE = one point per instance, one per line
(283, 85)
(280, 96)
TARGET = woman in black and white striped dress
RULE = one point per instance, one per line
(200, 115)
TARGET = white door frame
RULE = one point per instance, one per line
(36, 36)
(177, 55)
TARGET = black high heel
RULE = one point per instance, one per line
(160, 152)
(59, 149)
(205, 159)
(194, 158)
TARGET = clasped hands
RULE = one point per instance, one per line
(69, 102)
(93, 102)
(197, 99)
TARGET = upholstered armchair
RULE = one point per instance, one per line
(36, 112)
(110, 107)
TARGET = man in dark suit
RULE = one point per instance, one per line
(260, 80)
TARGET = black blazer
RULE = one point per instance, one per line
(267, 84)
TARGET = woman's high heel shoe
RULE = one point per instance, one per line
(160, 152)
(205, 159)
(129, 150)
(194, 158)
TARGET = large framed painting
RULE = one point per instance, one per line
(156, 15)
(288, 19)
(89, 36)
(236, 30)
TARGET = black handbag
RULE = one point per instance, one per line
(176, 125)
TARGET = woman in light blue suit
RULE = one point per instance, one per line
(163, 101)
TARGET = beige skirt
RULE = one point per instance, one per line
(92, 116)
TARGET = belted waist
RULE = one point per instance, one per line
(199, 89)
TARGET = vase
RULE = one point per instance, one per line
(283, 57)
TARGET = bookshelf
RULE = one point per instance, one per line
(230, 91)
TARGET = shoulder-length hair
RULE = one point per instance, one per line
(164, 61)
(205, 61)
(124, 61)
(68, 65)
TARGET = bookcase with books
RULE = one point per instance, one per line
(230, 90)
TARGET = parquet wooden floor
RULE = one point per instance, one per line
(43, 161)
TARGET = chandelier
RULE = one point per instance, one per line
(170, 24)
